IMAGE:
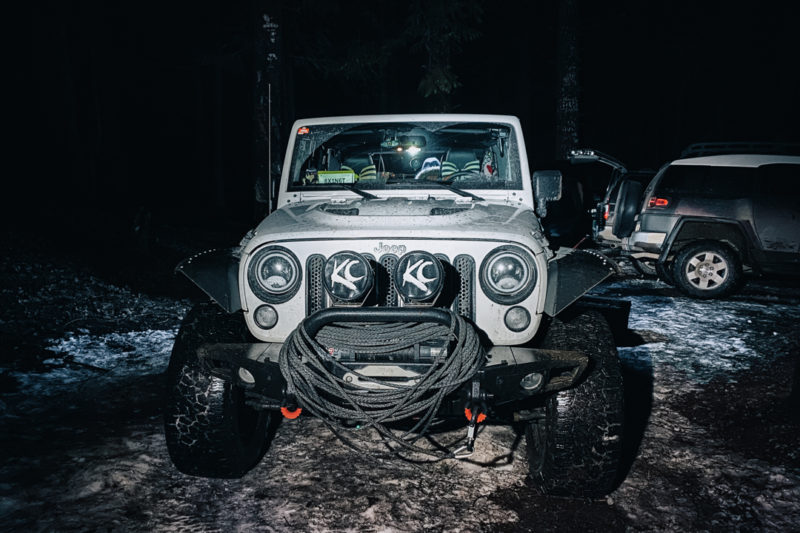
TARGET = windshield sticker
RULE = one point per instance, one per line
(335, 176)
(302, 131)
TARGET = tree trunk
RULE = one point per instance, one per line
(567, 71)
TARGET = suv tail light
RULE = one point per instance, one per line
(606, 210)
(655, 201)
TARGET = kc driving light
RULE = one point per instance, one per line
(274, 274)
(419, 277)
(508, 275)
(348, 277)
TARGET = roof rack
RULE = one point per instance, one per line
(715, 148)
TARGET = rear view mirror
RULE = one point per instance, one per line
(546, 188)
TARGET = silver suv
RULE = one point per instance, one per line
(706, 219)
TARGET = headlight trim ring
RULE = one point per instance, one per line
(526, 287)
(256, 285)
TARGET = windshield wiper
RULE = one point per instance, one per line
(458, 191)
(353, 188)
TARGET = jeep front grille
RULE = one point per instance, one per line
(389, 296)
(315, 291)
(463, 302)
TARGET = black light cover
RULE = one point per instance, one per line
(419, 277)
(348, 277)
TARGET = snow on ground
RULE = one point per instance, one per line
(706, 339)
(81, 357)
(685, 476)
(83, 448)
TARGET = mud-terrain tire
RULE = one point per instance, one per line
(707, 269)
(210, 432)
(575, 450)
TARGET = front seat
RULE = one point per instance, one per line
(458, 161)
(362, 167)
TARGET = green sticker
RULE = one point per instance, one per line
(335, 176)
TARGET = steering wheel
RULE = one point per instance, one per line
(460, 174)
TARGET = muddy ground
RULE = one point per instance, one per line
(85, 334)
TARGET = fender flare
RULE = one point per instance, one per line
(730, 224)
(216, 272)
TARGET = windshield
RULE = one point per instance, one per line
(403, 155)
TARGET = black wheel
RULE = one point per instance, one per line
(707, 269)
(645, 266)
(210, 431)
(626, 207)
(575, 449)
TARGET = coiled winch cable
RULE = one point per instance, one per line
(313, 377)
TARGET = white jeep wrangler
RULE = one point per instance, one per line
(404, 279)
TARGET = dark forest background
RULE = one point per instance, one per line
(124, 109)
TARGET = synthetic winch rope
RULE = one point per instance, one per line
(315, 379)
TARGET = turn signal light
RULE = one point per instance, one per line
(655, 201)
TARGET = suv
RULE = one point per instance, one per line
(704, 219)
(404, 279)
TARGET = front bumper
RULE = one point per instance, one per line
(508, 373)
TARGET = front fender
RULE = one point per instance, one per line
(216, 273)
(571, 275)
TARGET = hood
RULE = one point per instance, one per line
(401, 217)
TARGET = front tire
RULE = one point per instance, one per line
(209, 429)
(575, 449)
(707, 269)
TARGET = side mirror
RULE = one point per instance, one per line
(546, 188)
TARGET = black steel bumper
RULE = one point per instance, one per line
(509, 374)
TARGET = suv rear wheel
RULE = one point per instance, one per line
(626, 207)
(707, 269)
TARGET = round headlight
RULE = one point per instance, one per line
(348, 277)
(419, 277)
(274, 274)
(508, 275)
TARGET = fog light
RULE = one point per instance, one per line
(532, 381)
(265, 316)
(246, 376)
(517, 318)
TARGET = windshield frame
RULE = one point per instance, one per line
(498, 140)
